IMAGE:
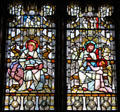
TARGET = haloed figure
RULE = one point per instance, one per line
(92, 68)
(32, 66)
(86, 74)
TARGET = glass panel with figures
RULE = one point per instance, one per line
(90, 69)
(30, 55)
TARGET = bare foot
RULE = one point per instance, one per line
(109, 89)
(103, 90)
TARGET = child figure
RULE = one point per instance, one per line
(99, 82)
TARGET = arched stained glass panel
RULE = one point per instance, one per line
(30, 55)
(91, 69)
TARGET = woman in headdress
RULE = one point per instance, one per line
(86, 74)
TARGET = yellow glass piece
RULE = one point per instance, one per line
(44, 22)
(110, 79)
(69, 107)
(111, 38)
(114, 108)
(53, 37)
(47, 24)
(90, 38)
(9, 37)
(78, 23)
(96, 40)
(51, 107)
(69, 101)
(6, 107)
(68, 38)
(75, 25)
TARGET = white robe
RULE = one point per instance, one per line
(34, 74)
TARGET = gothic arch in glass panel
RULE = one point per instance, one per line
(91, 68)
(30, 55)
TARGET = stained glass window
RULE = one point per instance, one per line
(30, 55)
(91, 68)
